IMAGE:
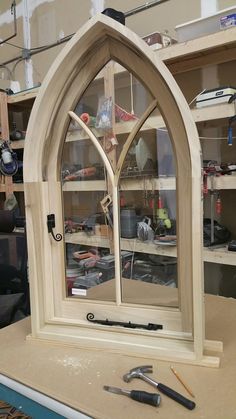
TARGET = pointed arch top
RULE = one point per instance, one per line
(98, 41)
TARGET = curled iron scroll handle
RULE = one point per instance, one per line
(51, 224)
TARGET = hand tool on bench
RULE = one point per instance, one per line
(138, 372)
(140, 396)
(181, 381)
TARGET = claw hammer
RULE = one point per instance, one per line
(138, 372)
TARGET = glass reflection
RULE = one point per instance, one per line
(148, 218)
(111, 107)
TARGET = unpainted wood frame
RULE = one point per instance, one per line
(99, 41)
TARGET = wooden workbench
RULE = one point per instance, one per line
(76, 377)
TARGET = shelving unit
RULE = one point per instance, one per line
(207, 50)
(11, 187)
(162, 183)
(179, 58)
(213, 255)
(215, 112)
(8, 104)
(23, 96)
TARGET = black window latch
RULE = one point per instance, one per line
(51, 225)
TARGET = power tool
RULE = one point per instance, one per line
(8, 159)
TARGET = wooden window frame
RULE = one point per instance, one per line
(54, 316)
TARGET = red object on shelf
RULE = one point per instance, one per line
(160, 203)
(218, 205)
(123, 115)
(85, 118)
(88, 119)
(122, 200)
(82, 173)
(205, 186)
(151, 203)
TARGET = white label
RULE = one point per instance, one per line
(78, 291)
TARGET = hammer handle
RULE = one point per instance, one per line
(189, 404)
(143, 397)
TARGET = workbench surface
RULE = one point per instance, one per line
(76, 377)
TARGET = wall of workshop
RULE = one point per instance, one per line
(7, 52)
(50, 20)
(223, 4)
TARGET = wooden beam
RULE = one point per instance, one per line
(207, 50)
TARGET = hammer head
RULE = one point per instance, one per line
(137, 372)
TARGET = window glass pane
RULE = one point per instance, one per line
(148, 218)
(111, 107)
(88, 216)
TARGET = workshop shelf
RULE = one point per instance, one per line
(212, 113)
(218, 254)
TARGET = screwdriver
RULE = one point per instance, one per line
(153, 399)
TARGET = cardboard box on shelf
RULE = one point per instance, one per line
(102, 230)
(158, 40)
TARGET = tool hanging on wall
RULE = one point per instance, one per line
(163, 222)
(230, 129)
(210, 171)
(152, 200)
(145, 193)
(8, 159)
(212, 193)
(231, 121)
(205, 185)
(218, 204)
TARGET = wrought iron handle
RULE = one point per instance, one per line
(129, 325)
(51, 225)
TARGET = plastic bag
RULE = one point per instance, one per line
(104, 114)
